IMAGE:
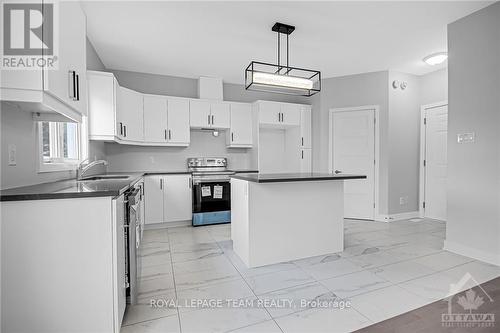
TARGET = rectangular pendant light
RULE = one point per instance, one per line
(282, 80)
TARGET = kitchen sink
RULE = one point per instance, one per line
(104, 177)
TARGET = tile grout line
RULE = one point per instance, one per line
(253, 292)
(175, 286)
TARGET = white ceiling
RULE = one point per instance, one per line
(219, 39)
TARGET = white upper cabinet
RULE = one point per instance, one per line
(60, 89)
(240, 132)
(305, 127)
(220, 115)
(155, 119)
(269, 113)
(103, 124)
(276, 114)
(209, 114)
(290, 114)
(178, 132)
(68, 82)
(129, 112)
(199, 113)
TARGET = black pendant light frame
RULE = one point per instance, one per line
(279, 69)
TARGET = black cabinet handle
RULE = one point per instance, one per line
(302, 154)
(161, 183)
(302, 141)
(165, 134)
(125, 131)
(279, 117)
(282, 117)
(209, 119)
(121, 128)
(232, 136)
(72, 88)
(213, 119)
(77, 87)
(169, 134)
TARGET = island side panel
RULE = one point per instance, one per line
(240, 218)
(294, 220)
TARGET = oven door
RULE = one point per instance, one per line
(211, 202)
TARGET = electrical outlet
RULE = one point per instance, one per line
(12, 154)
(403, 200)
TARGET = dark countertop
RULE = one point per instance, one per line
(294, 177)
(72, 188)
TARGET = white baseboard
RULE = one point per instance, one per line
(167, 225)
(397, 217)
(471, 252)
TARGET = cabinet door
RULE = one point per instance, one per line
(290, 114)
(153, 199)
(269, 113)
(178, 121)
(305, 127)
(220, 115)
(71, 58)
(240, 133)
(305, 160)
(101, 105)
(155, 119)
(199, 113)
(178, 203)
(130, 114)
(119, 254)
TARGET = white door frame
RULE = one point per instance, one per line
(375, 108)
(421, 190)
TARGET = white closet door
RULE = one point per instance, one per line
(354, 153)
(436, 162)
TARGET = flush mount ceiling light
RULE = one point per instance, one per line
(436, 58)
(278, 78)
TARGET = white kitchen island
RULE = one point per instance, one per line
(282, 217)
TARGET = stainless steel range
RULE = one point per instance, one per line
(211, 190)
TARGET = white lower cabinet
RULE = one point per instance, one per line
(305, 160)
(168, 198)
(63, 265)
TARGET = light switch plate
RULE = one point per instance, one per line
(12, 154)
(466, 137)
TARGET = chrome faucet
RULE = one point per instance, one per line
(85, 165)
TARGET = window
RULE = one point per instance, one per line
(59, 144)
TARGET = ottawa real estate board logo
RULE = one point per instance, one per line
(28, 38)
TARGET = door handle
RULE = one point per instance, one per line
(337, 171)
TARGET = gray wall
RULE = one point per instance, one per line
(403, 145)
(124, 157)
(434, 87)
(17, 127)
(97, 149)
(473, 227)
(351, 91)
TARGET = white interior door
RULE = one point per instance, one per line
(354, 153)
(436, 132)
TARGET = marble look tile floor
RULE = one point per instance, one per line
(386, 269)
